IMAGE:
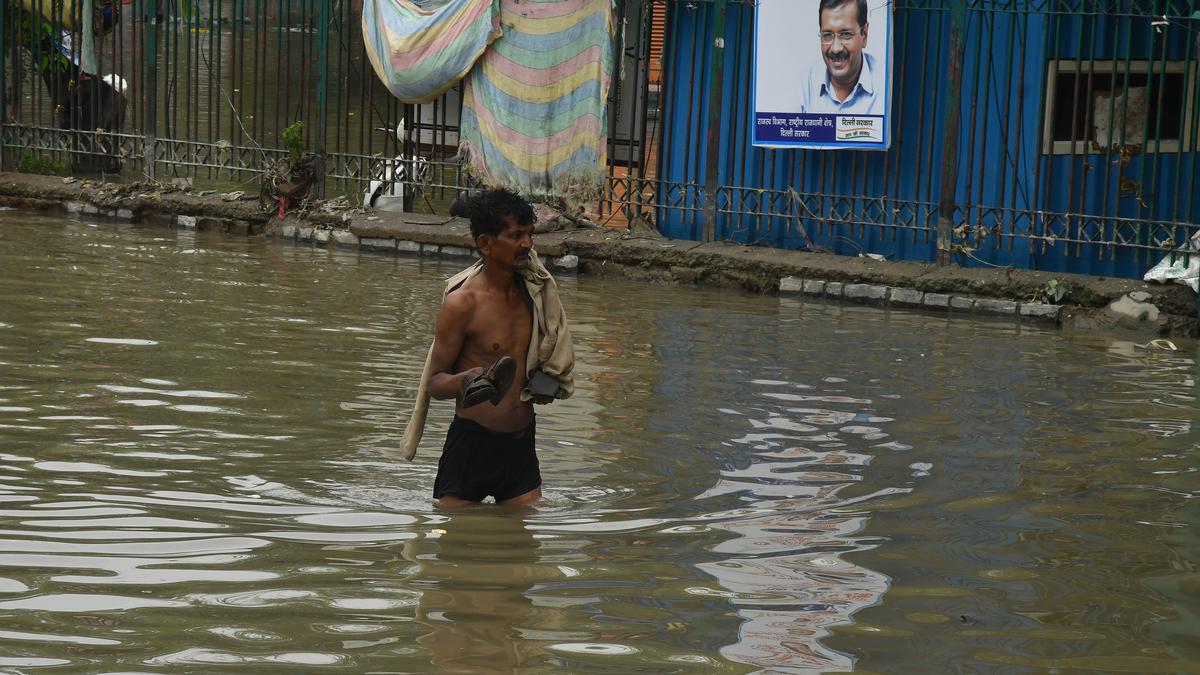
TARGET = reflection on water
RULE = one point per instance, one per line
(197, 472)
(796, 584)
(473, 575)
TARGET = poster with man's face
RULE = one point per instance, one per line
(822, 74)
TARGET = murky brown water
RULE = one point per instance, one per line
(196, 476)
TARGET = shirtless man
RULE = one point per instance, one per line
(489, 449)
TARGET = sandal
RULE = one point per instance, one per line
(491, 384)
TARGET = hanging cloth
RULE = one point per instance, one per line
(421, 48)
(534, 106)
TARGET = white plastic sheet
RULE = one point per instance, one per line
(1179, 267)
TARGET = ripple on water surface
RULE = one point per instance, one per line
(198, 472)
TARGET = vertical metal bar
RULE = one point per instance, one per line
(614, 106)
(815, 171)
(366, 135)
(213, 66)
(1045, 159)
(133, 123)
(645, 24)
(689, 172)
(322, 83)
(305, 46)
(123, 66)
(1152, 189)
(217, 89)
(743, 107)
(342, 109)
(284, 66)
(259, 48)
(356, 54)
(183, 24)
(891, 161)
(279, 100)
(1113, 116)
(973, 120)
(236, 84)
(766, 173)
(13, 55)
(1187, 133)
(1183, 128)
(1015, 133)
(171, 50)
(984, 71)
(4, 24)
(1193, 210)
(191, 35)
(1080, 160)
(712, 153)
(150, 130)
(929, 131)
(949, 182)
(1071, 226)
(666, 106)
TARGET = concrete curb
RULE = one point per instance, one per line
(299, 234)
(910, 298)
(1089, 303)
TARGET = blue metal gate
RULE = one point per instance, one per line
(1033, 188)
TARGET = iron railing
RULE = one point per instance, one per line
(1048, 134)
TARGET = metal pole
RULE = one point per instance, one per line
(715, 98)
(954, 70)
(4, 9)
(322, 83)
(150, 93)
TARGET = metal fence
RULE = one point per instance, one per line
(1046, 134)
(216, 92)
(211, 92)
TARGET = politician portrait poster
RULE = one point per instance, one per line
(823, 74)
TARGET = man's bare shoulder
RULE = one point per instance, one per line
(460, 302)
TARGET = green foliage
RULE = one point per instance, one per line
(25, 29)
(1053, 292)
(293, 142)
(42, 165)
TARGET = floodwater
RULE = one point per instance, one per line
(197, 474)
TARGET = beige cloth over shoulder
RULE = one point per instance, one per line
(550, 347)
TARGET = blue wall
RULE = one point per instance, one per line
(1005, 185)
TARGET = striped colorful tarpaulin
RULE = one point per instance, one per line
(421, 48)
(534, 105)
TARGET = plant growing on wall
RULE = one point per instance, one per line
(38, 164)
(1053, 292)
(293, 142)
(286, 183)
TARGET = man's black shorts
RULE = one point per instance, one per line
(477, 462)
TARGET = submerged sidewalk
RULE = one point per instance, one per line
(1083, 302)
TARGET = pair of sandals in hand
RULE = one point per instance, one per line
(490, 384)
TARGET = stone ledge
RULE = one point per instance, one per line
(1040, 311)
(865, 293)
(1090, 302)
(994, 306)
(893, 296)
(905, 297)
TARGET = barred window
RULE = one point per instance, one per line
(1100, 106)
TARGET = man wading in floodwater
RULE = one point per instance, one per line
(501, 345)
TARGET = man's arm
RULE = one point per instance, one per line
(448, 338)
